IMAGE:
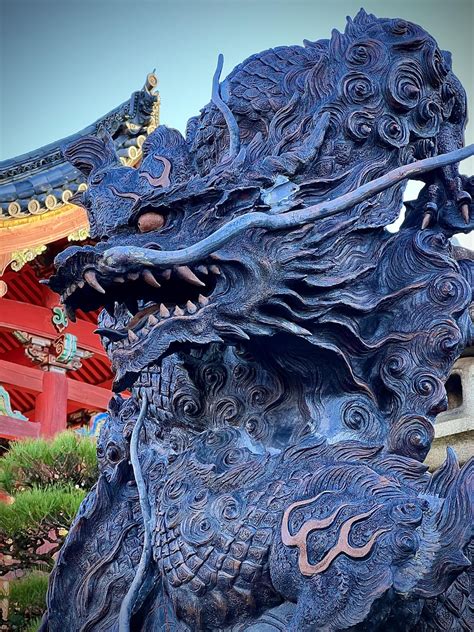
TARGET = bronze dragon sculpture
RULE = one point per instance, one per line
(285, 353)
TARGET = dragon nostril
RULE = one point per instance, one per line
(150, 221)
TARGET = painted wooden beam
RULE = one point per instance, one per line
(11, 428)
(36, 319)
(31, 380)
(88, 395)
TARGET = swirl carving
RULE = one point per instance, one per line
(450, 291)
(360, 124)
(404, 85)
(427, 118)
(356, 416)
(411, 436)
(368, 54)
(436, 67)
(198, 528)
(393, 131)
(357, 87)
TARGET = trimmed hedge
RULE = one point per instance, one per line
(67, 459)
(48, 481)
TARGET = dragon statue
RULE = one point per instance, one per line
(285, 353)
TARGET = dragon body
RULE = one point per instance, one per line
(285, 353)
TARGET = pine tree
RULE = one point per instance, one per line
(42, 484)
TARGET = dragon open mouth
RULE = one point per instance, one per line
(139, 305)
(147, 302)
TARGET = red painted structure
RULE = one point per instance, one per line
(54, 374)
(47, 395)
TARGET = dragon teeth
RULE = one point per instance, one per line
(164, 311)
(152, 320)
(188, 275)
(215, 269)
(150, 279)
(132, 336)
(192, 309)
(91, 278)
(178, 311)
(203, 300)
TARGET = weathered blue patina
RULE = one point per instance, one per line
(286, 354)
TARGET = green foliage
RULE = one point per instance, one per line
(33, 625)
(29, 591)
(48, 481)
(26, 601)
(36, 508)
(67, 459)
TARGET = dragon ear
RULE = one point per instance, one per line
(90, 153)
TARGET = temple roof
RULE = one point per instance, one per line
(36, 187)
(38, 181)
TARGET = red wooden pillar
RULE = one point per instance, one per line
(51, 403)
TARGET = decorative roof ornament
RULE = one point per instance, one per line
(6, 408)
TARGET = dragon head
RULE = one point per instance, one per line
(209, 238)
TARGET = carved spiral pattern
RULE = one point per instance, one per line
(199, 499)
(229, 458)
(443, 340)
(396, 364)
(213, 377)
(178, 440)
(360, 124)
(220, 438)
(198, 527)
(405, 544)
(369, 54)
(432, 389)
(411, 436)
(226, 508)
(259, 395)
(257, 427)
(398, 27)
(407, 513)
(450, 291)
(227, 410)
(173, 491)
(427, 118)
(356, 416)
(186, 404)
(436, 66)
(393, 131)
(173, 516)
(427, 385)
(405, 85)
(357, 87)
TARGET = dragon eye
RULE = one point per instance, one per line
(150, 221)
